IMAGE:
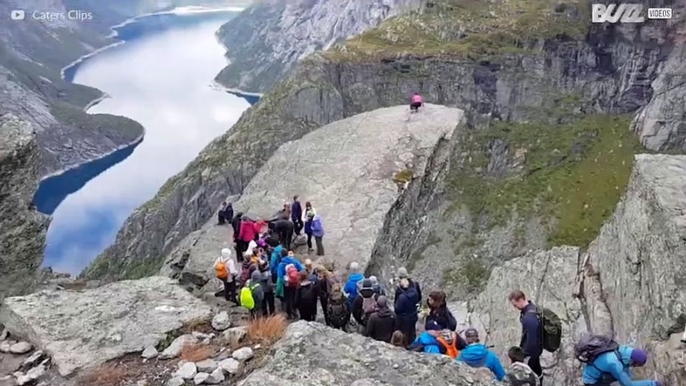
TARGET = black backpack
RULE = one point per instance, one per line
(337, 309)
(551, 329)
(590, 347)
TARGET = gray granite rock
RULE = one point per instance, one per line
(187, 371)
(174, 349)
(86, 328)
(243, 354)
(221, 321)
(217, 376)
(230, 365)
(149, 352)
(206, 366)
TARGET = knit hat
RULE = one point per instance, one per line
(374, 280)
(382, 302)
(402, 273)
(471, 333)
(366, 283)
(638, 357)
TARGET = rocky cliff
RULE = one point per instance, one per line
(350, 170)
(544, 166)
(268, 39)
(22, 228)
(629, 285)
(314, 355)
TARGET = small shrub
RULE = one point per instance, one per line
(267, 330)
(403, 176)
(105, 375)
(195, 352)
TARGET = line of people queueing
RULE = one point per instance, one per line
(270, 271)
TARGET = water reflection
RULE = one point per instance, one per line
(161, 80)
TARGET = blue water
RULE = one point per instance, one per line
(161, 78)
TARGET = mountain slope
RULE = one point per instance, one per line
(524, 71)
(268, 39)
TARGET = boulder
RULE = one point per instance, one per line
(21, 348)
(88, 327)
(31, 376)
(174, 349)
(313, 354)
(230, 365)
(176, 381)
(149, 352)
(200, 378)
(187, 371)
(234, 336)
(221, 321)
(216, 377)
(206, 366)
(243, 354)
(351, 185)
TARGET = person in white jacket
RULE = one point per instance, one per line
(225, 268)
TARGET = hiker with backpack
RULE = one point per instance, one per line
(275, 259)
(318, 233)
(438, 311)
(381, 323)
(406, 301)
(519, 373)
(247, 269)
(364, 304)
(325, 281)
(251, 295)
(268, 306)
(306, 297)
(225, 270)
(337, 308)
(606, 362)
(478, 355)
(531, 330)
(289, 272)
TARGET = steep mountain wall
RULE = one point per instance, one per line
(630, 285)
(535, 94)
(22, 228)
(268, 39)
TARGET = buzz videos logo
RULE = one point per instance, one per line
(626, 13)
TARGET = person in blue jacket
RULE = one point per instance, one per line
(350, 288)
(478, 355)
(426, 342)
(615, 366)
(286, 260)
(275, 260)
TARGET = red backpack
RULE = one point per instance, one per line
(293, 275)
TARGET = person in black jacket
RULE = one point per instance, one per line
(236, 226)
(306, 297)
(402, 274)
(438, 311)
(381, 323)
(284, 228)
(406, 309)
(531, 330)
(297, 215)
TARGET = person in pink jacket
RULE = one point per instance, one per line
(416, 103)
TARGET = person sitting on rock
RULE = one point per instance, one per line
(478, 355)
(225, 213)
(406, 301)
(364, 304)
(306, 298)
(226, 271)
(381, 323)
(438, 311)
(610, 362)
(426, 341)
(416, 102)
(350, 288)
(519, 373)
(337, 308)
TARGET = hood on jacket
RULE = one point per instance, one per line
(385, 313)
(367, 292)
(475, 355)
(289, 260)
(226, 254)
(256, 276)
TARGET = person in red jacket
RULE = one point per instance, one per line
(246, 234)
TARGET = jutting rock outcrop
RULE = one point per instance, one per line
(22, 228)
(630, 284)
(81, 329)
(268, 39)
(306, 357)
(349, 171)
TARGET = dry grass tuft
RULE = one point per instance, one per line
(195, 352)
(267, 330)
(197, 324)
(105, 375)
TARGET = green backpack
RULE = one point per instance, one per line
(551, 329)
(246, 298)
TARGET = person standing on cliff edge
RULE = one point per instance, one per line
(297, 215)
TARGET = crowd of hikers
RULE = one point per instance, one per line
(268, 269)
